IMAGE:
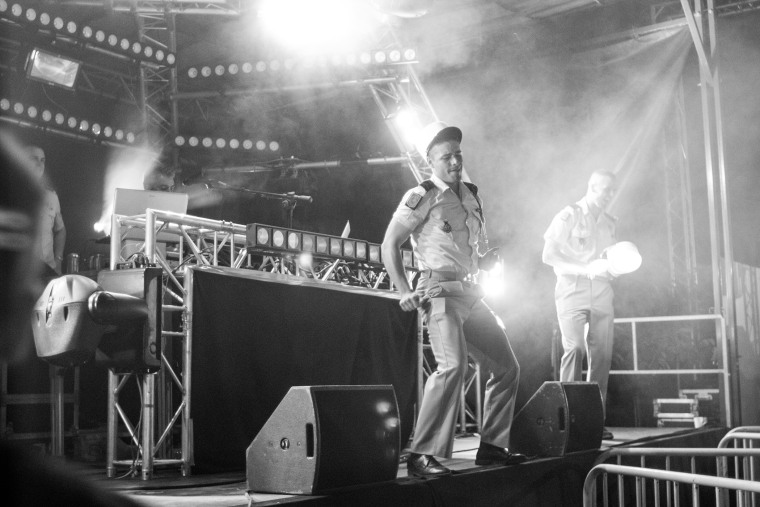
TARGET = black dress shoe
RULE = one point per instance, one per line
(424, 465)
(493, 455)
(607, 434)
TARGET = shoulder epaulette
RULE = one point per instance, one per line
(418, 192)
(472, 186)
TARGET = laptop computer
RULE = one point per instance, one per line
(130, 202)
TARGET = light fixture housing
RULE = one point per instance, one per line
(52, 68)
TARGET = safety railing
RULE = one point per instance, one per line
(744, 469)
(669, 479)
(721, 371)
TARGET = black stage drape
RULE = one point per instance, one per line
(255, 334)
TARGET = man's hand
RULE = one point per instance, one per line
(489, 259)
(597, 267)
(410, 301)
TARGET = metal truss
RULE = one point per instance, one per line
(196, 242)
(209, 7)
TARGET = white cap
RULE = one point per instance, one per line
(434, 132)
(623, 258)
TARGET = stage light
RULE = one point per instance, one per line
(113, 40)
(247, 144)
(86, 32)
(84, 125)
(5, 104)
(58, 23)
(322, 245)
(130, 137)
(72, 122)
(365, 58)
(3, 6)
(294, 240)
(193, 141)
(349, 248)
(305, 261)
(261, 145)
(170, 58)
(205, 71)
(361, 250)
(394, 56)
(374, 253)
(261, 66)
(100, 36)
(148, 51)
(492, 281)
(160, 55)
(219, 70)
(107, 131)
(351, 59)
(31, 111)
(96, 129)
(47, 115)
(233, 68)
(408, 125)
(192, 72)
(336, 248)
(17, 10)
(179, 141)
(274, 146)
(247, 68)
(71, 27)
(59, 118)
(379, 57)
(124, 44)
(221, 143)
(136, 48)
(207, 142)
(409, 54)
(31, 14)
(119, 134)
(278, 238)
(234, 144)
(623, 258)
(274, 65)
(44, 19)
(308, 242)
(52, 69)
(263, 235)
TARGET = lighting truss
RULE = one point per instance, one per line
(90, 37)
(47, 119)
(224, 143)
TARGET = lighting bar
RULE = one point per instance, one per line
(43, 117)
(273, 240)
(69, 29)
(221, 143)
(381, 57)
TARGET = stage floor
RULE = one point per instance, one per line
(227, 490)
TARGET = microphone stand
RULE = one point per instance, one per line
(288, 200)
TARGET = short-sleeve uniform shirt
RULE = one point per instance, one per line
(446, 230)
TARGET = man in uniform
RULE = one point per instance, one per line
(444, 217)
(573, 246)
(52, 230)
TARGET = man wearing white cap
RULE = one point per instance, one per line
(573, 246)
(444, 218)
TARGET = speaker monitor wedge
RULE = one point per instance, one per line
(560, 418)
(321, 438)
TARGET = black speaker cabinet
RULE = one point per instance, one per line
(560, 418)
(326, 437)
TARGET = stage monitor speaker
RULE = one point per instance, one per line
(322, 438)
(560, 418)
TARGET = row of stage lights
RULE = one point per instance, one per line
(221, 143)
(133, 49)
(269, 239)
(79, 125)
(382, 57)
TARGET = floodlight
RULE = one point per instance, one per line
(278, 238)
(261, 145)
(294, 240)
(221, 143)
(336, 248)
(361, 250)
(307, 242)
(207, 142)
(52, 69)
(322, 244)
(234, 144)
(247, 144)
(374, 253)
(179, 141)
(263, 236)
(349, 248)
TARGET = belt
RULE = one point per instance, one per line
(447, 276)
(588, 277)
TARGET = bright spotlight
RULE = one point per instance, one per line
(492, 281)
(408, 124)
(317, 27)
